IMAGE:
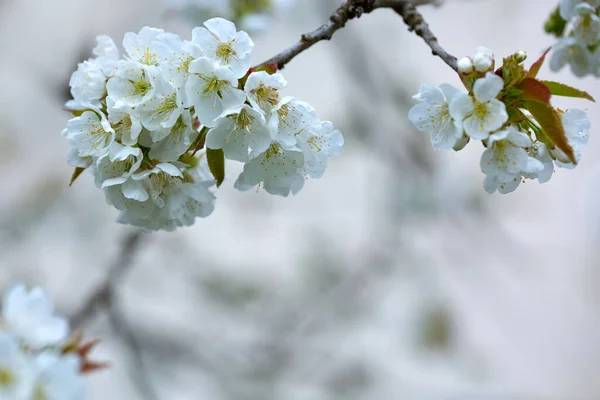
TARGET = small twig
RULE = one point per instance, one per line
(354, 9)
(102, 296)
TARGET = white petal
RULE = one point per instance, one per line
(430, 94)
(221, 27)
(449, 91)
(519, 138)
(475, 128)
(424, 115)
(488, 87)
(135, 190)
(461, 106)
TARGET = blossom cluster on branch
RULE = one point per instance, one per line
(39, 358)
(577, 25)
(509, 111)
(155, 125)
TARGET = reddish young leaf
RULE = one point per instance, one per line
(535, 90)
(551, 123)
(535, 67)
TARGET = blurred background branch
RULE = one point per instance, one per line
(101, 298)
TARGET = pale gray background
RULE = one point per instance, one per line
(395, 276)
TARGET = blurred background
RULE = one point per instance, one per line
(395, 276)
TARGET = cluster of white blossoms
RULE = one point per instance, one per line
(38, 360)
(516, 146)
(579, 47)
(153, 126)
(255, 16)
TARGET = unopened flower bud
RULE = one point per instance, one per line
(465, 65)
(484, 51)
(482, 62)
(520, 56)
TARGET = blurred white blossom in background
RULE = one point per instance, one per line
(254, 16)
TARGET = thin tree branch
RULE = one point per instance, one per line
(102, 296)
(354, 9)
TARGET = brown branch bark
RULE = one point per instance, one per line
(354, 9)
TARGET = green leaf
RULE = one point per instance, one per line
(76, 173)
(200, 141)
(535, 67)
(560, 89)
(216, 163)
(535, 90)
(555, 24)
(551, 123)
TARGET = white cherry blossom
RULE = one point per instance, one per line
(139, 46)
(107, 54)
(433, 115)
(263, 90)
(17, 374)
(569, 9)
(29, 315)
(169, 144)
(483, 113)
(577, 129)
(88, 86)
(91, 134)
(539, 151)
(569, 51)
(163, 109)
(132, 84)
(290, 117)
(126, 124)
(239, 131)
(58, 378)
(586, 25)
(278, 170)
(505, 159)
(212, 90)
(221, 42)
(174, 199)
(119, 166)
(319, 143)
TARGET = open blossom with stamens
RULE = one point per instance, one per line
(278, 170)
(433, 115)
(236, 133)
(212, 90)
(156, 127)
(506, 159)
(221, 42)
(91, 134)
(481, 113)
(263, 90)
